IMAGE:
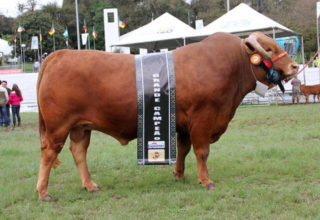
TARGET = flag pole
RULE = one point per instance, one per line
(77, 18)
(89, 39)
(54, 43)
(94, 43)
(15, 48)
(318, 12)
(40, 47)
(20, 48)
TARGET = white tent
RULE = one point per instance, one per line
(4, 47)
(242, 20)
(166, 31)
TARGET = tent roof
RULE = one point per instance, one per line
(243, 20)
(166, 31)
(5, 47)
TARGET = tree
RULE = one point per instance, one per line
(33, 22)
(6, 25)
(96, 14)
(298, 15)
(31, 5)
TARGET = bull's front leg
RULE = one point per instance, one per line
(184, 145)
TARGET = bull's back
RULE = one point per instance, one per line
(88, 87)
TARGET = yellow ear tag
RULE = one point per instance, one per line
(255, 59)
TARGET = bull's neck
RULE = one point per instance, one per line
(251, 75)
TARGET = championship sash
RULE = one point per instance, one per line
(156, 94)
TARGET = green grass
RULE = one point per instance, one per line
(266, 166)
(28, 67)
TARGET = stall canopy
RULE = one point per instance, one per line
(166, 31)
(243, 20)
(5, 47)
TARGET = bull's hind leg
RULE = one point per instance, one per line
(79, 143)
(184, 145)
(200, 139)
(49, 159)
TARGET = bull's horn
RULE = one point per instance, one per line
(251, 44)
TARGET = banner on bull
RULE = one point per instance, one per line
(156, 96)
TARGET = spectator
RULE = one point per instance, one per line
(3, 110)
(36, 67)
(296, 83)
(14, 100)
(4, 85)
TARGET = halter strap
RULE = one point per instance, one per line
(279, 56)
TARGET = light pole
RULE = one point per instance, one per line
(78, 31)
(228, 5)
(23, 56)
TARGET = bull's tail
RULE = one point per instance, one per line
(42, 125)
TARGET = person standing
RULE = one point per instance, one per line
(15, 99)
(4, 85)
(296, 83)
(3, 108)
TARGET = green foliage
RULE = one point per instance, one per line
(296, 15)
(96, 15)
(5, 25)
(266, 166)
(33, 22)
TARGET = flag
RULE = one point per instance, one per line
(94, 34)
(40, 36)
(85, 27)
(14, 39)
(122, 24)
(66, 34)
(152, 18)
(21, 29)
(52, 30)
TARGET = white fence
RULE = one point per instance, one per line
(27, 82)
(312, 76)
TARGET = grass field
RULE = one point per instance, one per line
(266, 166)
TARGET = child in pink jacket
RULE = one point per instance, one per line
(14, 100)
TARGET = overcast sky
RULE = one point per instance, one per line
(9, 8)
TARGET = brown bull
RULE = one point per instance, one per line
(80, 91)
(311, 90)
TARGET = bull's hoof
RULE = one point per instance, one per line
(210, 186)
(46, 198)
(94, 189)
(97, 189)
(178, 176)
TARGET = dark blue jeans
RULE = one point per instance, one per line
(8, 114)
(4, 120)
(15, 113)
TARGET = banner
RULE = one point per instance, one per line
(34, 43)
(156, 109)
(84, 38)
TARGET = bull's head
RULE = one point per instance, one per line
(269, 48)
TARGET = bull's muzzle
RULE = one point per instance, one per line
(292, 71)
